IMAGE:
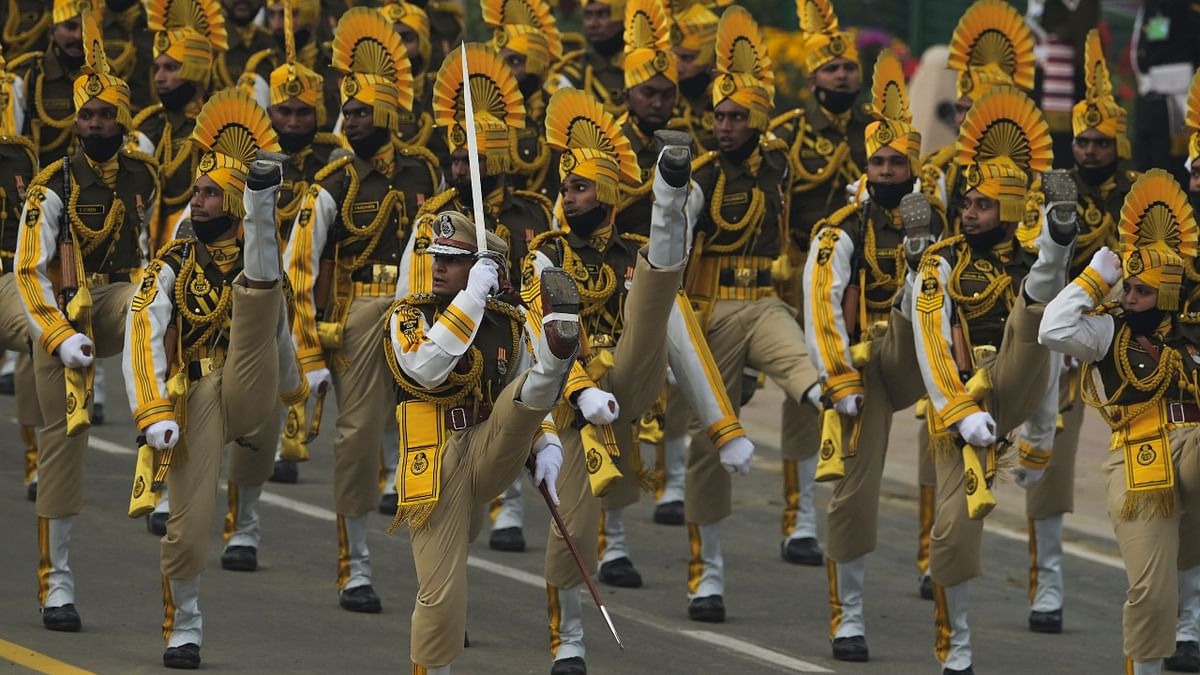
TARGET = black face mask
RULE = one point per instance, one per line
(292, 143)
(71, 63)
(983, 242)
(367, 147)
(102, 148)
(607, 48)
(739, 155)
(177, 98)
(207, 231)
(1144, 322)
(585, 224)
(120, 5)
(529, 85)
(695, 86)
(836, 102)
(488, 183)
(888, 195)
(1097, 175)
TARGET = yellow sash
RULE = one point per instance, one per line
(418, 476)
(599, 449)
(1149, 468)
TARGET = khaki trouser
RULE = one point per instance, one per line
(60, 458)
(926, 497)
(893, 382)
(236, 402)
(477, 464)
(1021, 366)
(1154, 549)
(363, 386)
(639, 369)
(763, 334)
(1054, 494)
(14, 337)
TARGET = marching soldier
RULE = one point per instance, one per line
(826, 155)
(215, 384)
(473, 396)
(1047, 455)
(851, 284)
(184, 55)
(344, 262)
(975, 322)
(735, 266)
(694, 34)
(980, 64)
(246, 38)
(446, 26)
(48, 79)
(83, 233)
(1139, 348)
(18, 166)
(300, 30)
(599, 70)
(416, 122)
(625, 349)
(526, 36)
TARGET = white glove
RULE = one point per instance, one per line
(162, 435)
(1026, 477)
(736, 455)
(1107, 264)
(547, 462)
(77, 351)
(318, 380)
(598, 406)
(849, 405)
(978, 429)
(812, 395)
(484, 279)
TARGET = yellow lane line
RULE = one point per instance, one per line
(24, 656)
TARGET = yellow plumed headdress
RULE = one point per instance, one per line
(824, 41)
(893, 126)
(97, 79)
(695, 29)
(413, 16)
(65, 10)
(231, 128)
(495, 99)
(1192, 119)
(188, 31)
(1003, 141)
(378, 73)
(592, 144)
(526, 27)
(1158, 234)
(1099, 109)
(293, 79)
(648, 43)
(744, 72)
(991, 45)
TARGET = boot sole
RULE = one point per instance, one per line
(560, 295)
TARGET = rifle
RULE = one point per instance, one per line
(75, 303)
(69, 284)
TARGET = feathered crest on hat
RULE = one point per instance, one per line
(592, 143)
(992, 34)
(495, 100)
(647, 25)
(1005, 123)
(364, 43)
(816, 16)
(536, 14)
(206, 17)
(292, 79)
(1157, 215)
(1096, 78)
(889, 94)
(231, 128)
(96, 80)
(741, 49)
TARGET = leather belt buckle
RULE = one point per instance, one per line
(457, 418)
(384, 274)
(1176, 413)
(743, 277)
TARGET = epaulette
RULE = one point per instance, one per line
(172, 251)
(418, 151)
(538, 197)
(21, 141)
(834, 219)
(784, 118)
(939, 247)
(704, 158)
(23, 59)
(332, 167)
(326, 138)
(47, 173)
(142, 157)
(146, 113)
(636, 239)
(538, 241)
(255, 59)
(1132, 176)
(773, 143)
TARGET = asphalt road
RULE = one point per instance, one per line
(285, 616)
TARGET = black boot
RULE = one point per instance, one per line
(240, 558)
(64, 618)
(1046, 622)
(184, 657)
(360, 599)
(509, 539)
(1186, 658)
(620, 573)
(669, 513)
(709, 609)
(156, 523)
(853, 648)
(926, 589)
(802, 551)
(286, 471)
(572, 666)
(389, 503)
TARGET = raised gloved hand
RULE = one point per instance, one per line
(598, 406)
(978, 429)
(484, 280)
(318, 381)
(77, 351)
(1026, 477)
(1107, 264)
(736, 455)
(162, 435)
(547, 463)
(849, 405)
(266, 171)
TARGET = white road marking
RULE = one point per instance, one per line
(754, 651)
(1071, 548)
(108, 446)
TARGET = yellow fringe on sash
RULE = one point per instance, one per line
(418, 475)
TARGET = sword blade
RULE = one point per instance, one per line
(473, 150)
